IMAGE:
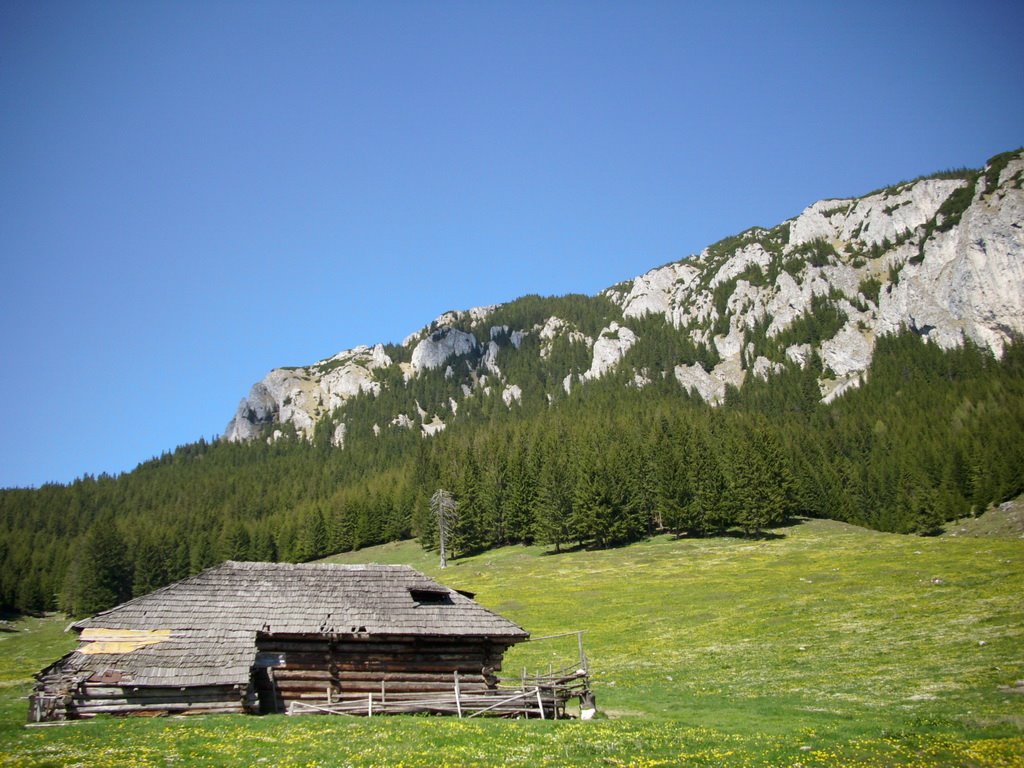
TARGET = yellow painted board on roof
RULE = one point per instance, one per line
(100, 640)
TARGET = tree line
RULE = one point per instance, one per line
(930, 436)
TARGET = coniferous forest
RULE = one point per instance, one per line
(931, 436)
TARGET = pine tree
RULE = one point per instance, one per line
(233, 543)
(708, 511)
(553, 507)
(103, 576)
(152, 565)
(469, 533)
(674, 496)
(519, 500)
(263, 547)
(31, 594)
(641, 486)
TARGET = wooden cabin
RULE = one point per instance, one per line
(263, 637)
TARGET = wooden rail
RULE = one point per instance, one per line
(529, 703)
(530, 695)
(545, 698)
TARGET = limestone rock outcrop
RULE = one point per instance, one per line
(440, 346)
(610, 347)
(301, 396)
(943, 257)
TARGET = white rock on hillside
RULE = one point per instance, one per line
(512, 394)
(514, 337)
(800, 354)
(436, 349)
(302, 395)
(490, 358)
(353, 376)
(433, 427)
(694, 378)
(729, 346)
(748, 304)
(875, 218)
(831, 390)
(258, 408)
(847, 352)
(710, 386)
(452, 318)
(654, 293)
(611, 345)
(556, 327)
(971, 280)
(753, 254)
(763, 368)
(338, 438)
(793, 299)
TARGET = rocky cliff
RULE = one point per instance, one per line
(942, 256)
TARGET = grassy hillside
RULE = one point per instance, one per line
(829, 645)
(1002, 522)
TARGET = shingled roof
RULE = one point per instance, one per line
(286, 598)
(183, 657)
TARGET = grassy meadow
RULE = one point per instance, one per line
(826, 645)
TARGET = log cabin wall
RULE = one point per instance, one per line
(72, 699)
(89, 700)
(317, 668)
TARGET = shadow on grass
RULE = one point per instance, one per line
(566, 549)
(7, 617)
(754, 535)
(772, 534)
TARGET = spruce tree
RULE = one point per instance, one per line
(708, 511)
(103, 576)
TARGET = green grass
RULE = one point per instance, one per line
(1005, 522)
(830, 646)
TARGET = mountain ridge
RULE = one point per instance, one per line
(938, 255)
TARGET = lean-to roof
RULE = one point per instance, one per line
(182, 658)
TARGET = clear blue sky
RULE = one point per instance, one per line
(193, 193)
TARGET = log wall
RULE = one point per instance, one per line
(315, 669)
(89, 700)
(85, 699)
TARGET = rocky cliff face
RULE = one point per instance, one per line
(302, 396)
(942, 256)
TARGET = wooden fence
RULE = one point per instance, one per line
(542, 695)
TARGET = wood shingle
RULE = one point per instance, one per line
(309, 598)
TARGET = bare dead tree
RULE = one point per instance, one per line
(446, 510)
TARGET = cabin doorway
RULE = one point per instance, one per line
(267, 692)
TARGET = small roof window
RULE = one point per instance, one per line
(431, 596)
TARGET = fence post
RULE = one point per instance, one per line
(458, 697)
